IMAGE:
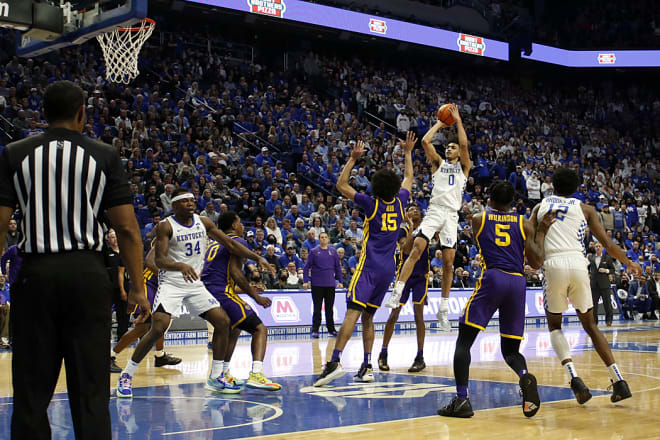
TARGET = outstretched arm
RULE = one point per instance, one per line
(342, 183)
(432, 156)
(408, 145)
(463, 152)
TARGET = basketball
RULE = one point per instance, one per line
(445, 116)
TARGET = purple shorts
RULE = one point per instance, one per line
(419, 287)
(498, 290)
(368, 289)
(150, 290)
(237, 309)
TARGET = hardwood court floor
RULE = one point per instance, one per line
(171, 402)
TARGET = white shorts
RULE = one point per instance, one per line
(192, 295)
(566, 277)
(443, 220)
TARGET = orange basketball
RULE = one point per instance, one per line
(445, 116)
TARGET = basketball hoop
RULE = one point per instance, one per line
(121, 48)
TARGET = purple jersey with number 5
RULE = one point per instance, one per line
(501, 241)
(381, 231)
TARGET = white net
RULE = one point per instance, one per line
(121, 48)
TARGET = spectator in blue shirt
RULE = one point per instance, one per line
(436, 262)
(306, 207)
(272, 202)
(290, 256)
(354, 260)
(311, 241)
(264, 157)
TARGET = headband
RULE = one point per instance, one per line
(183, 196)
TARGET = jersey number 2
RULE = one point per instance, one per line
(503, 237)
(388, 221)
(561, 211)
(189, 249)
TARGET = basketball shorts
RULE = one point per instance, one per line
(237, 309)
(193, 296)
(497, 290)
(150, 291)
(367, 290)
(419, 286)
(443, 220)
(566, 278)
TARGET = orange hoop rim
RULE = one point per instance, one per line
(136, 29)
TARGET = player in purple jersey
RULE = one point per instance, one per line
(504, 239)
(418, 284)
(150, 280)
(221, 276)
(384, 213)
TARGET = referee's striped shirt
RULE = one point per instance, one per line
(62, 183)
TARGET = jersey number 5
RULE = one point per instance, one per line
(503, 237)
(388, 221)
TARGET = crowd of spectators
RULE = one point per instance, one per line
(269, 144)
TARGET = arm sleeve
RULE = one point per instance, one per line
(365, 202)
(117, 191)
(8, 194)
(404, 195)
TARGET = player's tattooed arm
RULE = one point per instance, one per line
(237, 275)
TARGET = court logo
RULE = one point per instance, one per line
(606, 58)
(284, 309)
(379, 390)
(471, 44)
(377, 26)
(273, 8)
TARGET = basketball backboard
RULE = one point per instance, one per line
(80, 24)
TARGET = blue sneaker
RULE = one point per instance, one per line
(231, 379)
(125, 386)
(222, 385)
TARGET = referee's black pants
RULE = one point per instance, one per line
(61, 311)
(123, 318)
(320, 294)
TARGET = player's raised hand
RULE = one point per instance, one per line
(189, 273)
(544, 224)
(453, 110)
(409, 143)
(357, 151)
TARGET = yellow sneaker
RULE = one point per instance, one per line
(259, 381)
(233, 380)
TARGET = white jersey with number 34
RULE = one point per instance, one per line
(448, 185)
(187, 245)
(566, 235)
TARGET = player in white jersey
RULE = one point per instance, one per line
(180, 248)
(449, 178)
(567, 277)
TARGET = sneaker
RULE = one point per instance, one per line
(167, 359)
(580, 390)
(530, 394)
(392, 301)
(221, 385)
(125, 386)
(331, 371)
(315, 335)
(364, 374)
(382, 362)
(114, 368)
(417, 366)
(443, 318)
(458, 407)
(232, 379)
(620, 391)
(261, 382)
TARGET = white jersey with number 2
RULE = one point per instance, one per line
(566, 235)
(448, 185)
(187, 245)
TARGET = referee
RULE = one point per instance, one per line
(62, 183)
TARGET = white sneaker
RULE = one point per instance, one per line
(443, 318)
(393, 301)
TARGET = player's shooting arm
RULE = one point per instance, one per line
(463, 152)
(432, 156)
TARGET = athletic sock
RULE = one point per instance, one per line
(399, 285)
(383, 350)
(420, 354)
(160, 353)
(462, 391)
(216, 369)
(336, 354)
(367, 359)
(130, 368)
(444, 303)
(225, 367)
(257, 366)
(615, 373)
(570, 367)
(522, 372)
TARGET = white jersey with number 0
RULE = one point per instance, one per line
(566, 235)
(187, 245)
(448, 185)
